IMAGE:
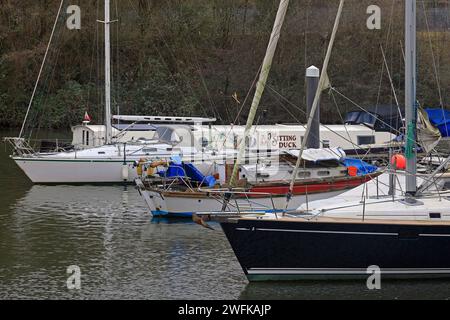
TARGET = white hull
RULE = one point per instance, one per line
(57, 171)
(170, 205)
(106, 164)
(75, 171)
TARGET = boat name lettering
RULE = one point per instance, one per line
(288, 141)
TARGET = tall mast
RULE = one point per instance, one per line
(107, 73)
(260, 86)
(410, 96)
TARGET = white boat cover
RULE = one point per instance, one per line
(322, 154)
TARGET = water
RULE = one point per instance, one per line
(125, 254)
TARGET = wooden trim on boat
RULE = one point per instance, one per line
(336, 220)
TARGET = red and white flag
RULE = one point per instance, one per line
(87, 118)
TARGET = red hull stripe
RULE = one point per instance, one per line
(312, 188)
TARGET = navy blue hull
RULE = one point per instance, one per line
(278, 250)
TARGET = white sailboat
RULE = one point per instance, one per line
(262, 186)
(110, 161)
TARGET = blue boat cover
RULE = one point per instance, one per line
(195, 175)
(440, 118)
(190, 171)
(175, 170)
(363, 167)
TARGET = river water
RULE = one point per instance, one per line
(123, 253)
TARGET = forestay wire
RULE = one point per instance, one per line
(41, 69)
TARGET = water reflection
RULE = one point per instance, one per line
(162, 220)
(121, 251)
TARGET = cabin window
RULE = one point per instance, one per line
(323, 173)
(366, 140)
(262, 175)
(304, 174)
(446, 187)
(87, 138)
(82, 140)
(435, 215)
(204, 142)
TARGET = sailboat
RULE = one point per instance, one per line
(262, 185)
(252, 187)
(403, 234)
(111, 161)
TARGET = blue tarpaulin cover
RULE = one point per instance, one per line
(440, 118)
(190, 171)
(175, 170)
(363, 167)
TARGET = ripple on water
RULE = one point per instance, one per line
(107, 231)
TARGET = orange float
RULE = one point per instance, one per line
(352, 171)
(398, 161)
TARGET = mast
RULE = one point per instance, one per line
(410, 96)
(260, 86)
(322, 84)
(107, 22)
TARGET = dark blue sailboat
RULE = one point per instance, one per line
(404, 235)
